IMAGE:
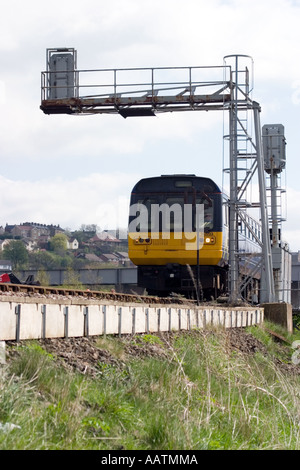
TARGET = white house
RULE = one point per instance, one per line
(72, 244)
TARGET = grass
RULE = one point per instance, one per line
(200, 394)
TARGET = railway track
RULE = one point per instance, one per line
(33, 290)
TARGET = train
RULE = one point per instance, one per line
(178, 236)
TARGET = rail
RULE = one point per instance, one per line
(31, 290)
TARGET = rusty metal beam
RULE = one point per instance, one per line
(148, 105)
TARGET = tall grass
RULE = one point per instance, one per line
(199, 394)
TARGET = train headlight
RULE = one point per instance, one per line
(209, 240)
(142, 241)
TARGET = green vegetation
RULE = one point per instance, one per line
(59, 243)
(210, 389)
(16, 253)
(55, 254)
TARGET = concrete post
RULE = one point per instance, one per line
(280, 313)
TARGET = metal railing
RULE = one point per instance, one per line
(159, 87)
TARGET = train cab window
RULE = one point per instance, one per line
(143, 214)
(208, 219)
(208, 216)
(225, 213)
(181, 215)
(172, 219)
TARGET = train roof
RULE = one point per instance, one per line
(177, 182)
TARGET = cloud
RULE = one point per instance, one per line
(101, 199)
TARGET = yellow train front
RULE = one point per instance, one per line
(178, 235)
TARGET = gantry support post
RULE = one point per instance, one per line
(267, 280)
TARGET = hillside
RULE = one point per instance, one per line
(208, 389)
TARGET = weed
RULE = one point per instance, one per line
(203, 394)
(151, 339)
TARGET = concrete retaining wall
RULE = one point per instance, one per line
(34, 318)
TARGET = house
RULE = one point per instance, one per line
(109, 258)
(123, 256)
(33, 230)
(8, 228)
(72, 244)
(22, 231)
(91, 257)
(43, 241)
(103, 238)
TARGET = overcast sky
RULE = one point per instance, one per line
(74, 170)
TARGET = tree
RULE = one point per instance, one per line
(43, 259)
(72, 279)
(89, 228)
(43, 277)
(16, 253)
(59, 243)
